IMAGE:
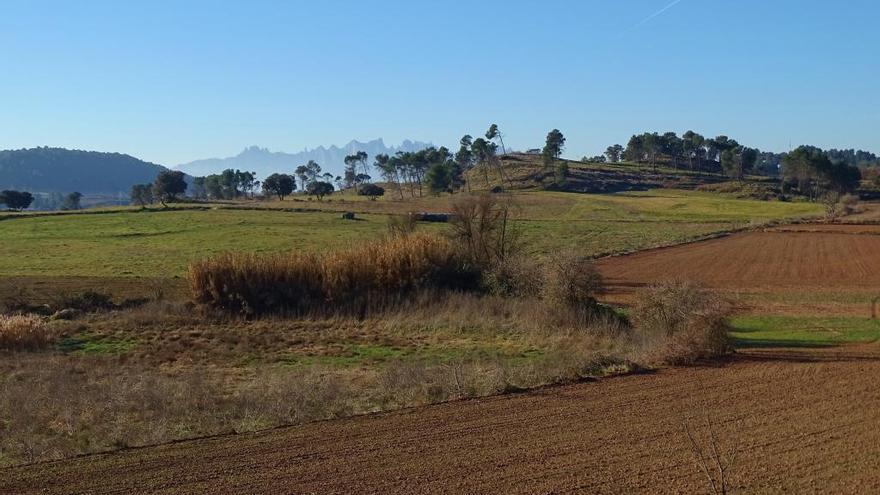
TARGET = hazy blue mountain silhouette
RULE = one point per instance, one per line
(61, 170)
(265, 162)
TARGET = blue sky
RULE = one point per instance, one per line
(173, 81)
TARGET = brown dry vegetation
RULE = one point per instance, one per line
(371, 275)
(25, 332)
(135, 381)
(794, 422)
(159, 372)
(681, 323)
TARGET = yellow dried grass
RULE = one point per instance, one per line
(352, 280)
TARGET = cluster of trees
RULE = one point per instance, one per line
(16, 200)
(310, 173)
(311, 181)
(413, 170)
(22, 200)
(169, 184)
(72, 201)
(808, 169)
(812, 172)
(438, 169)
(352, 177)
(691, 149)
(229, 184)
(853, 158)
(408, 172)
(280, 185)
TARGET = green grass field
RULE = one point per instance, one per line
(788, 331)
(156, 243)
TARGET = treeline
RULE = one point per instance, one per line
(691, 150)
(807, 169)
(22, 200)
(855, 158)
(169, 184)
(229, 184)
(409, 173)
(812, 173)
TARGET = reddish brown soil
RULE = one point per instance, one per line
(757, 260)
(797, 421)
(864, 229)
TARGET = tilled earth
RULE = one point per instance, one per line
(836, 257)
(796, 421)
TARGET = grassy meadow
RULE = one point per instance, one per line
(157, 243)
(803, 331)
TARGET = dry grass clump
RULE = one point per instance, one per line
(681, 323)
(401, 225)
(20, 332)
(374, 275)
(60, 407)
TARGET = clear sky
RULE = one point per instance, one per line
(172, 81)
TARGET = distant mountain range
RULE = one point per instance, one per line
(265, 162)
(59, 170)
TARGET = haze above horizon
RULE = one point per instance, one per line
(171, 83)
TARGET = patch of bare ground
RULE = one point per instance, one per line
(801, 269)
(774, 261)
(795, 421)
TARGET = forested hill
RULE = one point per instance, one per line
(64, 171)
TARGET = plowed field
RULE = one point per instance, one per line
(795, 421)
(829, 257)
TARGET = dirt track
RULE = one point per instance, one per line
(799, 421)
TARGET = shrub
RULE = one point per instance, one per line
(24, 332)
(681, 323)
(481, 227)
(369, 276)
(372, 191)
(570, 280)
(89, 301)
(514, 276)
(402, 225)
(849, 204)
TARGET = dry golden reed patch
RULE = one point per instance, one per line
(24, 332)
(372, 275)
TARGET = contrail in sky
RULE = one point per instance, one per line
(652, 16)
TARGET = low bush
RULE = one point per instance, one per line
(840, 205)
(481, 228)
(570, 280)
(401, 225)
(19, 332)
(681, 323)
(370, 276)
(87, 302)
(514, 276)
